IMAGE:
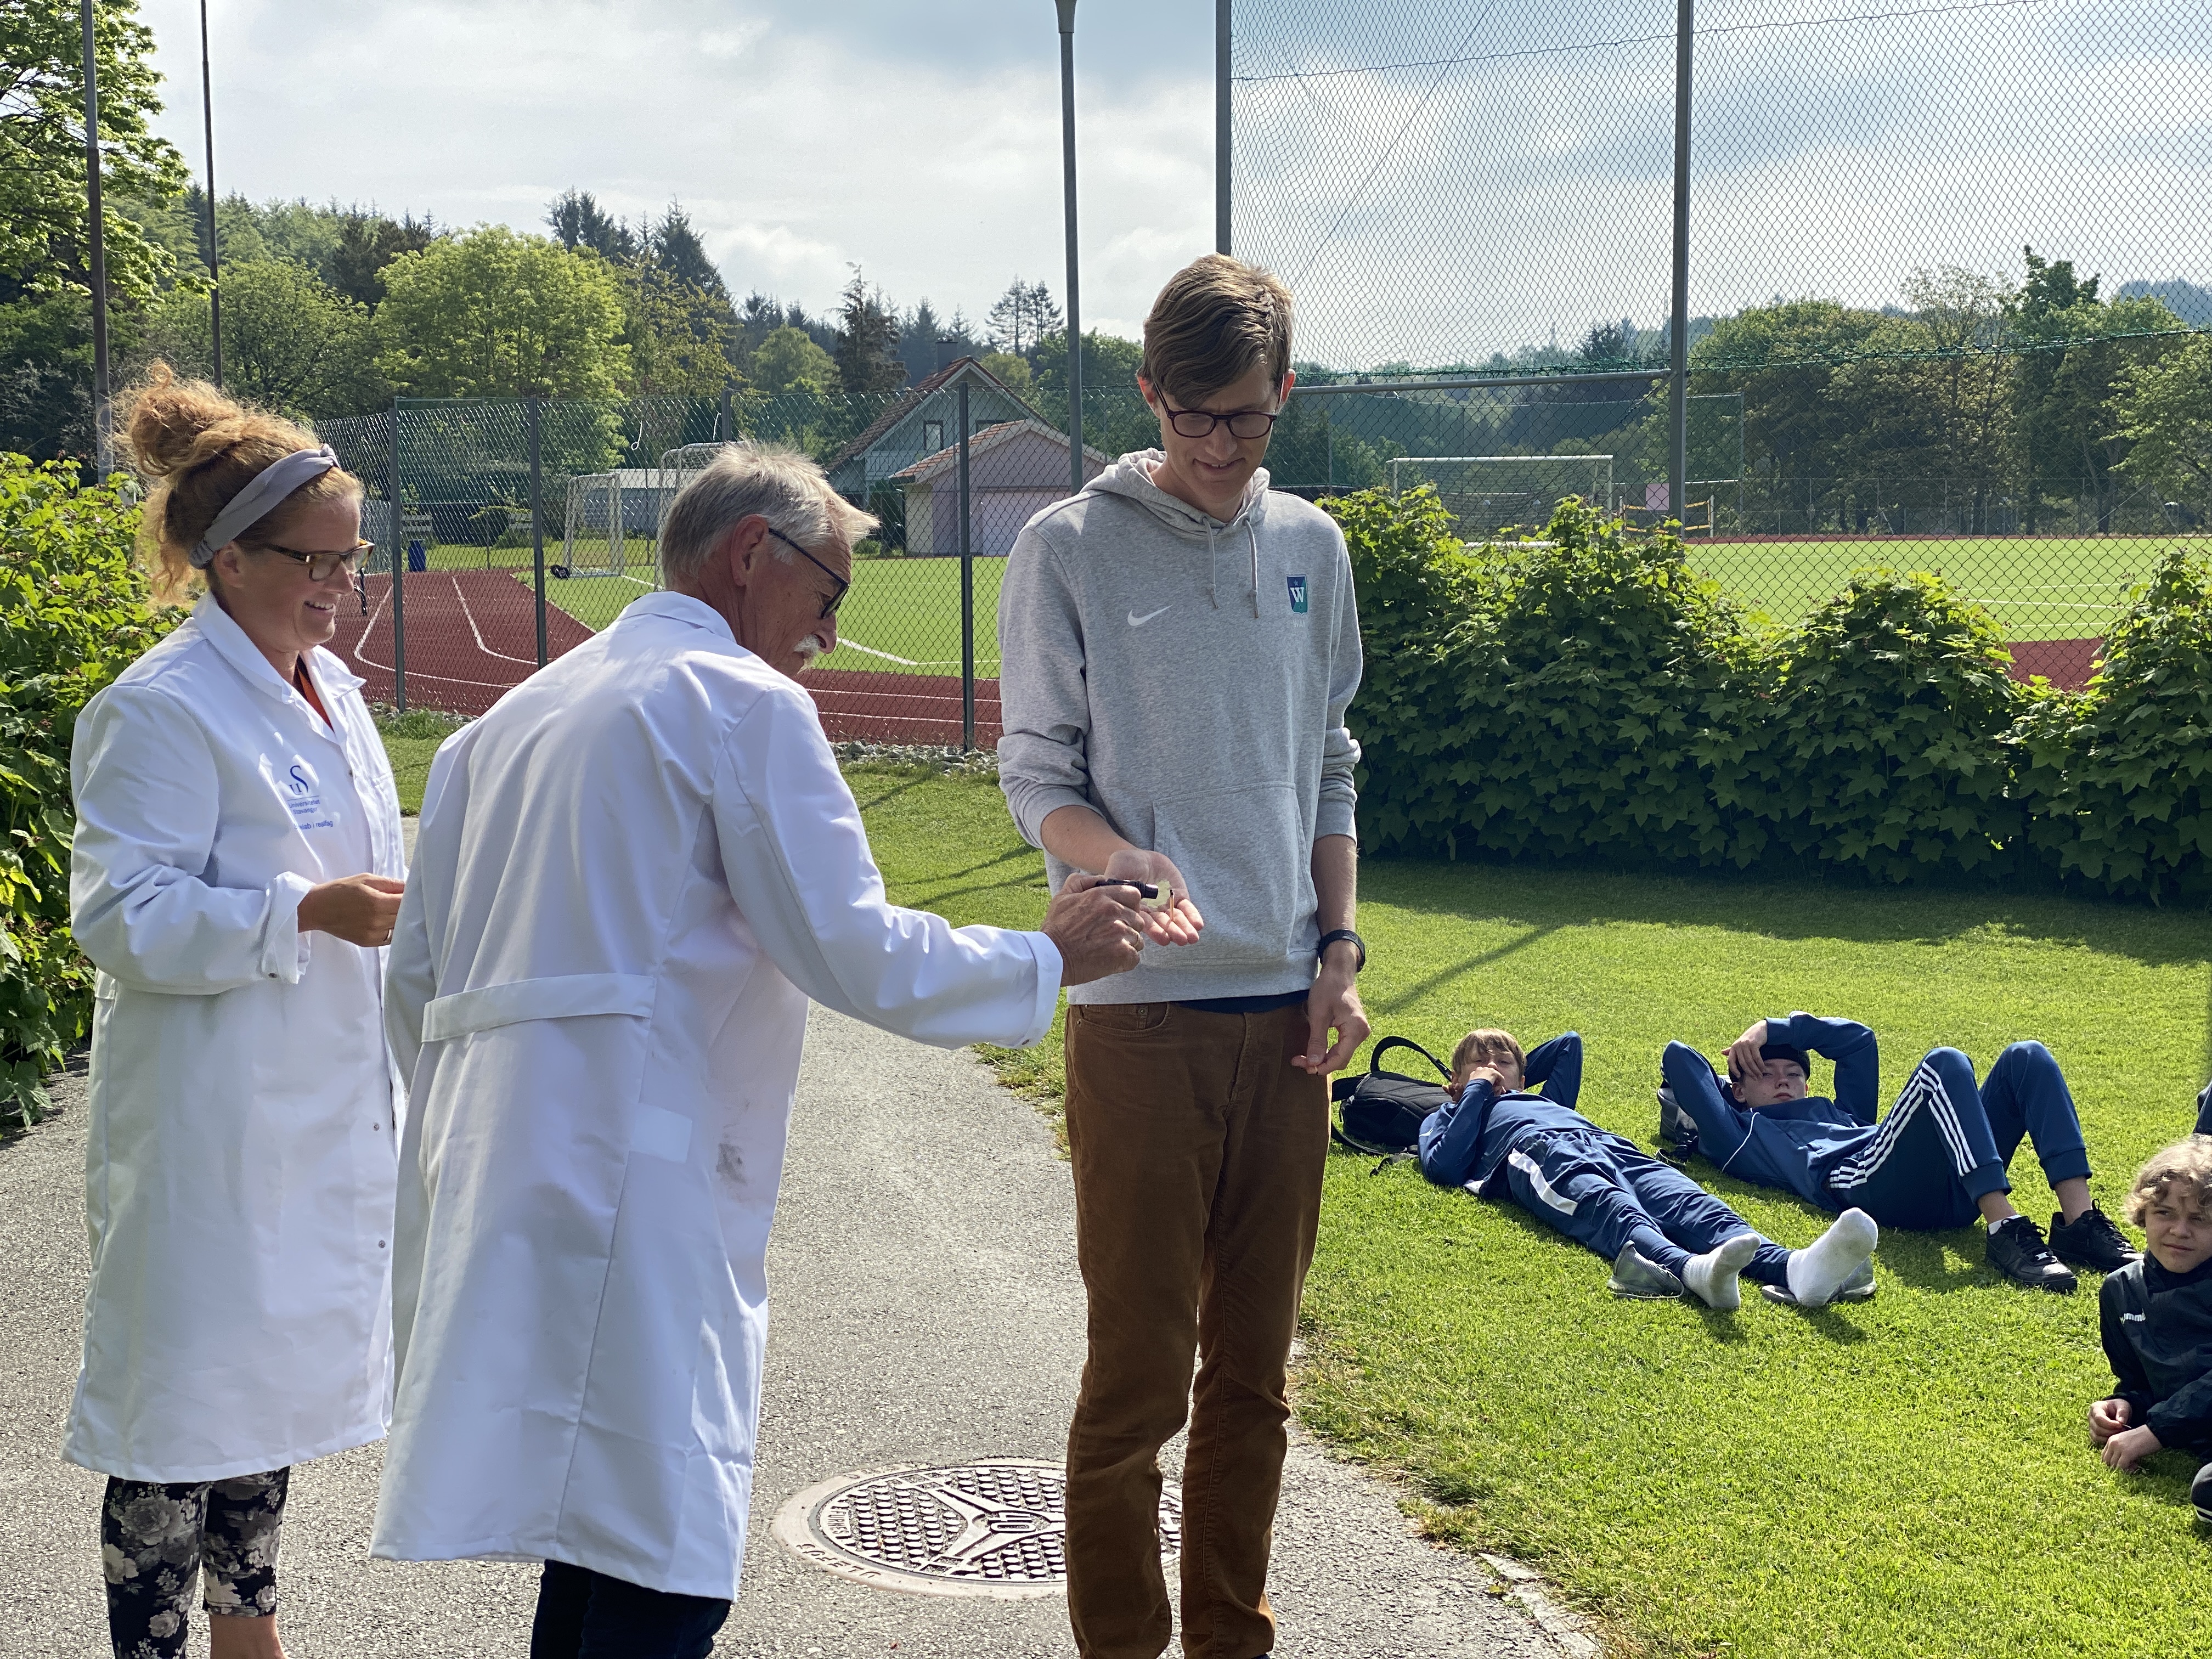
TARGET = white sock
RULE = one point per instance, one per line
(1818, 1272)
(1713, 1277)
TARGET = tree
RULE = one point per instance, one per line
(2164, 410)
(1010, 372)
(367, 243)
(1021, 317)
(43, 241)
(577, 221)
(290, 342)
(675, 250)
(493, 314)
(1109, 366)
(2067, 383)
(868, 342)
(788, 360)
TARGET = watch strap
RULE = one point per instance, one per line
(1334, 934)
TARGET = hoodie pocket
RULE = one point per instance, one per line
(1250, 869)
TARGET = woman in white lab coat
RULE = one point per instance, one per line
(237, 871)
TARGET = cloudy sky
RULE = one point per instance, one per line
(1436, 178)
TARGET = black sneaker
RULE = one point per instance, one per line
(2091, 1241)
(1678, 1130)
(2200, 1492)
(2017, 1252)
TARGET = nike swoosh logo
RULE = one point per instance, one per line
(1136, 621)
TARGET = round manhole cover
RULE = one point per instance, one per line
(996, 1526)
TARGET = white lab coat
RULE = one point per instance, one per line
(239, 1175)
(629, 877)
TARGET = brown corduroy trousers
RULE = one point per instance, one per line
(1198, 1150)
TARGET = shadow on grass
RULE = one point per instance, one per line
(1443, 977)
(1548, 897)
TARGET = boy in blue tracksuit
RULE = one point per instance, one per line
(1937, 1160)
(1662, 1232)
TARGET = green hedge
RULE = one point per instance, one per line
(1591, 694)
(74, 612)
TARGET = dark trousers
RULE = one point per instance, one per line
(1601, 1192)
(582, 1615)
(1197, 1151)
(1946, 1143)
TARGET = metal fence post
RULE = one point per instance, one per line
(1678, 455)
(399, 556)
(1221, 152)
(536, 531)
(967, 594)
(1074, 305)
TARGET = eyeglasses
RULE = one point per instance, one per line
(828, 605)
(321, 567)
(1197, 424)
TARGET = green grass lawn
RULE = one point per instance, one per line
(2037, 588)
(903, 616)
(409, 741)
(1909, 1477)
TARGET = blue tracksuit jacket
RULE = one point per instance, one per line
(1464, 1141)
(1794, 1144)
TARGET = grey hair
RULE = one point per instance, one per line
(779, 484)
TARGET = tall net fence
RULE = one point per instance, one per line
(469, 591)
(1949, 292)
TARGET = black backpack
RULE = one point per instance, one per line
(1380, 1112)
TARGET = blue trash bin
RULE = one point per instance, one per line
(416, 559)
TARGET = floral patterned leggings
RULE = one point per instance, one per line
(155, 1541)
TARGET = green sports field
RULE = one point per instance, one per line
(903, 616)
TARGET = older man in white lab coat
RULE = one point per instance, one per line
(631, 875)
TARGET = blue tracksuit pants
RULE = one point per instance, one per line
(1604, 1192)
(1946, 1143)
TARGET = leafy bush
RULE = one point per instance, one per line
(487, 524)
(1537, 698)
(74, 612)
(1885, 748)
(2113, 779)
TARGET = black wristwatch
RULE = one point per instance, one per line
(1357, 944)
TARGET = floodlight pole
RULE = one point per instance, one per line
(1074, 305)
(96, 241)
(215, 250)
(537, 522)
(1678, 421)
(1221, 124)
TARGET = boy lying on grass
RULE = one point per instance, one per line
(1661, 1230)
(2157, 1319)
(1937, 1160)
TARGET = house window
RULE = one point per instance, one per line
(932, 436)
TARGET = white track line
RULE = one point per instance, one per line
(529, 662)
(361, 655)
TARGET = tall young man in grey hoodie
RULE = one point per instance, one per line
(1180, 648)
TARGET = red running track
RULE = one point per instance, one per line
(2065, 663)
(473, 633)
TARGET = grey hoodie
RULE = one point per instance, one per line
(1188, 679)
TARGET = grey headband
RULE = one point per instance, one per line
(260, 498)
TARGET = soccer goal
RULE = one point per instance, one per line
(678, 467)
(594, 527)
(1486, 494)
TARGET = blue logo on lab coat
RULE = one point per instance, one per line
(1298, 595)
(299, 783)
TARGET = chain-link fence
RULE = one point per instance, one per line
(470, 591)
(1945, 297)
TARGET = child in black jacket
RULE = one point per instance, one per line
(2157, 1319)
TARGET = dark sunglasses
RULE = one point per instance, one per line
(321, 567)
(828, 605)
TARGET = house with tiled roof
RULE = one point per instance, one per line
(1015, 470)
(926, 420)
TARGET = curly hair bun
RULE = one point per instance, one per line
(200, 446)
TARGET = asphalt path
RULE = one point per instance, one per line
(926, 1309)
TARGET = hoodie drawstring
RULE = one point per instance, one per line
(1212, 569)
(1254, 536)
